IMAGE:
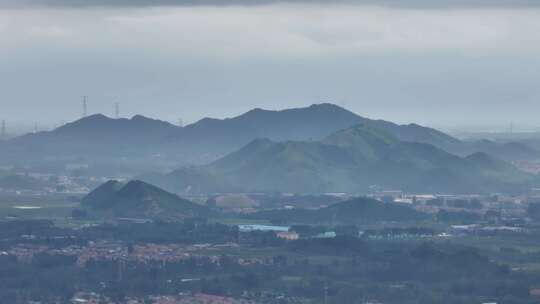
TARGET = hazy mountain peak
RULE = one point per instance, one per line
(139, 117)
(99, 198)
(86, 124)
(320, 108)
(88, 120)
(117, 129)
(93, 117)
(327, 106)
(114, 184)
(257, 110)
(139, 188)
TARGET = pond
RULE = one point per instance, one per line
(248, 228)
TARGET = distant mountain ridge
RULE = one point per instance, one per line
(93, 140)
(144, 144)
(350, 160)
(310, 123)
(101, 128)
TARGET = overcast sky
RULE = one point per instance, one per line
(434, 62)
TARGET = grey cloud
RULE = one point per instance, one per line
(420, 4)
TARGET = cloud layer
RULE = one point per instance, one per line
(432, 66)
(278, 31)
(433, 4)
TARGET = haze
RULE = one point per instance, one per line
(269, 151)
(446, 64)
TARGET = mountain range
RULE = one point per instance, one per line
(140, 144)
(311, 123)
(350, 160)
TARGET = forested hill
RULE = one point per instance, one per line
(138, 199)
(349, 160)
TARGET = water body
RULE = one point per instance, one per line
(26, 207)
(248, 228)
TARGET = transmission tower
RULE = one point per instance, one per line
(325, 292)
(4, 135)
(121, 270)
(117, 110)
(84, 106)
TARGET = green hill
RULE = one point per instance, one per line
(349, 160)
(138, 199)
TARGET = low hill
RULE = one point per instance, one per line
(138, 199)
(350, 160)
(355, 211)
